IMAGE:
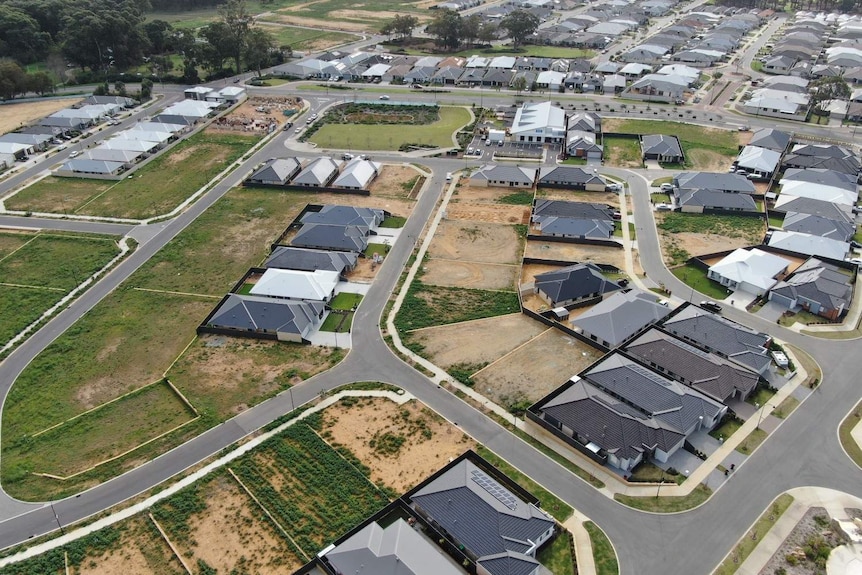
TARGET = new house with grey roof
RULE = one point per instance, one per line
(817, 287)
(614, 320)
(579, 283)
(290, 258)
(665, 149)
(264, 317)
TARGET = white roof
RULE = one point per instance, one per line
(754, 267)
(376, 70)
(540, 116)
(757, 158)
(145, 136)
(12, 147)
(809, 245)
(635, 68)
(550, 77)
(93, 112)
(199, 90)
(504, 62)
(317, 285)
(819, 192)
(358, 173)
(477, 62)
(101, 153)
(232, 91)
(158, 127)
(190, 108)
(133, 145)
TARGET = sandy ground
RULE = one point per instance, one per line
(366, 270)
(495, 214)
(530, 271)
(696, 244)
(141, 551)
(611, 199)
(429, 440)
(18, 115)
(476, 242)
(230, 534)
(535, 369)
(476, 342)
(391, 180)
(577, 253)
(451, 273)
(255, 115)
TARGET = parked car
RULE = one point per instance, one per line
(663, 207)
(615, 187)
(74, 154)
(287, 126)
(667, 187)
(384, 97)
(346, 156)
(710, 306)
(857, 261)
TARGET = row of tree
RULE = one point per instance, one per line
(452, 31)
(14, 80)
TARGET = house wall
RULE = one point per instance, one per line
(691, 209)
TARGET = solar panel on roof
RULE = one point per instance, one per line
(499, 492)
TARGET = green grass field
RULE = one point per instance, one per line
(155, 189)
(304, 39)
(603, 552)
(557, 556)
(624, 152)
(701, 146)
(696, 278)
(427, 305)
(530, 50)
(392, 137)
(730, 226)
(42, 269)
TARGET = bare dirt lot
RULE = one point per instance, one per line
(533, 370)
(611, 199)
(140, 551)
(476, 242)
(708, 161)
(393, 180)
(495, 214)
(231, 533)
(530, 271)
(482, 194)
(18, 115)
(451, 273)
(401, 444)
(576, 253)
(476, 342)
(256, 115)
(696, 244)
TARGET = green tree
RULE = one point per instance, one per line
(470, 27)
(120, 88)
(258, 48)
(520, 83)
(826, 89)
(21, 37)
(13, 80)
(146, 89)
(158, 33)
(237, 23)
(403, 25)
(446, 28)
(40, 82)
(487, 32)
(520, 25)
(99, 33)
(217, 46)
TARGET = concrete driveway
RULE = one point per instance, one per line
(771, 311)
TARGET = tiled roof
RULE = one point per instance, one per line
(246, 312)
(334, 237)
(574, 282)
(820, 282)
(289, 258)
(583, 210)
(714, 181)
(621, 315)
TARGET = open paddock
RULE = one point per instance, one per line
(476, 242)
(17, 115)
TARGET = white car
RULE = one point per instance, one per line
(74, 154)
(666, 187)
(384, 97)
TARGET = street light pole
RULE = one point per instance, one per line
(57, 519)
(760, 417)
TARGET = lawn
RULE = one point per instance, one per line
(338, 322)
(659, 181)
(728, 427)
(155, 189)
(728, 226)
(517, 198)
(775, 221)
(660, 198)
(557, 556)
(691, 136)
(393, 222)
(696, 278)
(845, 434)
(372, 249)
(427, 305)
(648, 472)
(755, 535)
(306, 39)
(623, 152)
(751, 442)
(575, 161)
(672, 504)
(603, 552)
(786, 407)
(760, 396)
(393, 136)
(345, 301)
(802, 316)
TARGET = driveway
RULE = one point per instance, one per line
(771, 311)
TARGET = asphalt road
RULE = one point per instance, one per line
(22, 222)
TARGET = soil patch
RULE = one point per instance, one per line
(476, 242)
(140, 551)
(256, 115)
(401, 444)
(695, 244)
(604, 198)
(577, 253)
(481, 194)
(535, 369)
(494, 214)
(476, 342)
(282, 17)
(394, 180)
(707, 160)
(18, 115)
(470, 274)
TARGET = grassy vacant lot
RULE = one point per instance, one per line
(155, 189)
(133, 345)
(672, 504)
(427, 305)
(696, 278)
(42, 269)
(517, 198)
(624, 152)
(603, 552)
(853, 449)
(755, 535)
(694, 139)
(393, 136)
(729, 226)
(530, 50)
(306, 39)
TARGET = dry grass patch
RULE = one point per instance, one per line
(489, 213)
(476, 242)
(395, 181)
(17, 115)
(470, 274)
(141, 550)
(604, 198)
(577, 253)
(401, 444)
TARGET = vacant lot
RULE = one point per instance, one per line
(306, 39)
(155, 189)
(401, 444)
(455, 273)
(474, 343)
(704, 148)
(576, 253)
(17, 115)
(535, 369)
(393, 136)
(476, 242)
(488, 213)
(604, 198)
(428, 305)
(38, 269)
(255, 115)
(394, 181)
(686, 235)
(344, 15)
(623, 152)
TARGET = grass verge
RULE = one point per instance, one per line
(671, 504)
(557, 556)
(696, 278)
(603, 552)
(755, 535)
(853, 449)
(751, 441)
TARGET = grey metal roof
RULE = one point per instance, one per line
(661, 144)
(480, 513)
(723, 336)
(503, 173)
(846, 164)
(85, 166)
(715, 199)
(569, 175)
(509, 564)
(332, 237)
(574, 282)
(319, 172)
(581, 210)
(254, 313)
(276, 170)
(345, 216)
(821, 208)
(820, 176)
(289, 258)
(820, 282)
(576, 228)
(818, 226)
(708, 373)
(397, 549)
(714, 181)
(620, 316)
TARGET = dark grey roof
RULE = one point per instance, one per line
(254, 313)
(509, 563)
(480, 513)
(821, 176)
(661, 144)
(344, 216)
(289, 258)
(715, 199)
(574, 282)
(569, 175)
(581, 210)
(173, 119)
(820, 282)
(502, 173)
(846, 164)
(820, 208)
(713, 376)
(576, 228)
(725, 337)
(713, 181)
(323, 236)
(620, 316)
(818, 226)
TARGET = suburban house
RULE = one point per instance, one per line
(317, 285)
(713, 376)
(809, 245)
(658, 88)
(579, 210)
(817, 287)
(815, 225)
(821, 176)
(480, 515)
(770, 139)
(332, 214)
(760, 163)
(627, 413)
(585, 122)
(788, 204)
(727, 183)
(319, 173)
(573, 178)
(332, 237)
(700, 200)
(539, 122)
(721, 336)
(615, 319)
(575, 228)
(498, 175)
(91, 168)
(583, 145)
(253, 316)
(580, 283)
(825, 193)
(752, 271)
(826, 156)
(777, 104)
(290, 258)
(275, 172)
(357, 174)
(665, 149)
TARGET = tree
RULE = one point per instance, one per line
(446, 28)
(146, 89)
(258, 48)
(487, 32)
(120, 88)
(21, 37)
(40, 82)
(826, 89)
(158, 33)
(520, 83)
(13, 80)
(520, 25)
(404, 25)
(470, 27)
(237, 23)
(99, 33)
(217, 46)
